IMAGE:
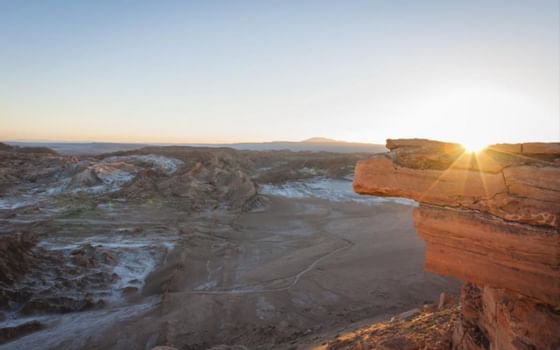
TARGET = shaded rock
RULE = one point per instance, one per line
(505, 318)
(99, 178)
(5, 148)
(36, 281)
(129, 291)
(16, 256)
(10, 333)
(400, 343)
(445, 300)
(90, 256)
(59, 304)
(23, 168)
(228, 347)
(208, 184)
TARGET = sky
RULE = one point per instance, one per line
(239, 71)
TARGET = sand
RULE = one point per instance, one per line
(280, 277)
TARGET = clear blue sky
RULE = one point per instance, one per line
(221, 71)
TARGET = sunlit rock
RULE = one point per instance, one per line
(490, 218)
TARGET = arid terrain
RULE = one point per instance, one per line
(196, 248)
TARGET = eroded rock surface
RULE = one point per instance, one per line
(491, 219)
(177, 232)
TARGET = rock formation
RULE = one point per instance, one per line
(491, 219)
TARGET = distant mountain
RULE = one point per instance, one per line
(74, 148)
(320, 140)
(315, 144)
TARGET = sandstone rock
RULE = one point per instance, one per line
(541, 148)
(492, 220)
(507, 320)
(424, 144)
(424, 154)
(523, 193)
(506, 148)
(484, 249)
(379, 175)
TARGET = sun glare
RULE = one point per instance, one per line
(473, 146)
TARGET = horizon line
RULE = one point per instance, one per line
(183, 143)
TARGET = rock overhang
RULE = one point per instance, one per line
(491, 219)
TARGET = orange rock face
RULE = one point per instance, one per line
(491, 219)
(486, 250)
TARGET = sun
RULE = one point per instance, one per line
(474, 146)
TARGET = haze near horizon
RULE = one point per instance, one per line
(187, 72)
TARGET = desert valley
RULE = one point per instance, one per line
(279, 175)
(198, 247)
(216, 248)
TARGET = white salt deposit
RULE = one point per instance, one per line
(167, 165)
(75, 330)
(137, 255)
(112, 181)
(325, 188)
(15, 202)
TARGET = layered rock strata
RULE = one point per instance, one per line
(491, 219)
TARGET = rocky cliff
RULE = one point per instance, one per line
(491, 219)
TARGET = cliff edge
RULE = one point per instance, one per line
(491, 219)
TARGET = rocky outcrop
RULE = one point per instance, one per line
(16, 257)
(36, 281)
(18, 166)
(491, 219)
(194, 179)
(422, 329)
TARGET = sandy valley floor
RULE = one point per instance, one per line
(290, 272)
(195, 248)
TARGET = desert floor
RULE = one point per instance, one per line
(276, 277)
